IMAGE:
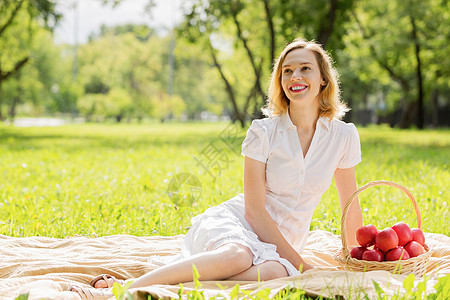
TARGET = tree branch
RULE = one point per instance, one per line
(228, 86)
(249, 53)
(402, 81)
(271, 30)
(252, 92)
(11, 17)
(17, 67)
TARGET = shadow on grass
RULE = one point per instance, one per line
(72, 141)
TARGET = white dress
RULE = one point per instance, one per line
(294, 186)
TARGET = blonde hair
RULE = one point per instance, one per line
(330, 102)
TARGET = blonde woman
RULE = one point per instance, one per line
(291, 158)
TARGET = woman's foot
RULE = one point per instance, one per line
(105, 281)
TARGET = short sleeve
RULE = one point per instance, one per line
(256, 143)
(352, 150)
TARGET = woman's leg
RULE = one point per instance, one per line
(223, 262)
(266, 271)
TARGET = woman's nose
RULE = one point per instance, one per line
(297, 74)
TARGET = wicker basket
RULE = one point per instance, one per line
(416, 265)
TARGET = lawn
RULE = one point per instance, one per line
(150, 179)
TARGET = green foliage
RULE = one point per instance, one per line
(442, 288)
(371, 42)
(380, 56)
(136, 64)
(22, 297)
(121, 292)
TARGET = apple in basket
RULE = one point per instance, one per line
(403, 232)
(365, 235)
(397, 253)
(357, 252)
(386, 239)
(414, 249)
(373, 255)
(418, 236)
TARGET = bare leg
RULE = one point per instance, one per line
(223, 262)
(267, 270)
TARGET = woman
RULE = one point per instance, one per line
(290, 160)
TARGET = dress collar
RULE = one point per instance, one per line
(286, 123)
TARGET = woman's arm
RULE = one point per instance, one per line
(258, 217)
(345, 180)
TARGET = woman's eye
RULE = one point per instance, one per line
(306, 68)
(287, 71)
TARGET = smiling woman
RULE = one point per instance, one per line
(290, 160)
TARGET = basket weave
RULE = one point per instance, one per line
(415, 265)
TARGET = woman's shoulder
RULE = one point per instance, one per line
(342, 127)
(267, 124)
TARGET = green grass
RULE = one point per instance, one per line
(113, 179)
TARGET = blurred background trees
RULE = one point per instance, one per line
(392, 57)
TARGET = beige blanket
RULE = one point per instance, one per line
(46, 267)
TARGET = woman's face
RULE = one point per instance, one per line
(300, 76)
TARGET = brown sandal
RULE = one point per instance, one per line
(105, 277)
(92, 293)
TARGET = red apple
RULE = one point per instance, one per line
(396, 254)
(417, 235)
(403, 232)
(386, 239)
(373, 255)
(365, 235)
(414, 249)
(357, 252)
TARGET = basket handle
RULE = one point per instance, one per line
(364, 187)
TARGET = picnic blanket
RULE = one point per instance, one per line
(46, 267)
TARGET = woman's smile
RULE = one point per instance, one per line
(298, 88)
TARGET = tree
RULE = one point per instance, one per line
(17, 28)
(36, 80)
(402, 37)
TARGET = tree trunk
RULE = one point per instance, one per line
(12, 109)
(434, 107)
(251, 58)
(420, 108)
(271, 30)
(228, 88)
(327, 24)
(1, 115)
(15, 99)
(408, 113)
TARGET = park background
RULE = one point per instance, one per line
(153, 116)
(211, 60)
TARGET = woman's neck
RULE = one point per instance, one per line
(304, 118)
